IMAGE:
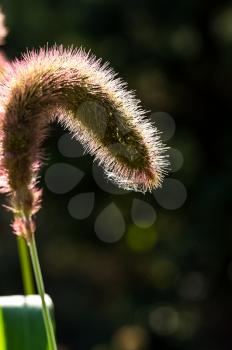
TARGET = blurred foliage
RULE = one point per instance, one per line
(170, 289)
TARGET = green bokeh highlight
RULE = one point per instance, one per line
(141, 239)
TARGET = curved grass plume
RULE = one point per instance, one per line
(72, 87)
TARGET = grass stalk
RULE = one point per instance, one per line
(25, 263)
(40, 286)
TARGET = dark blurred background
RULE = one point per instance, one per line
(167, 286)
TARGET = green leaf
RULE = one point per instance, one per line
(21, 323)
(2, 332)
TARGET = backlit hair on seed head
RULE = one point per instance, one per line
(87, 98)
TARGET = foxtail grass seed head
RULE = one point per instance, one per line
(87, 98)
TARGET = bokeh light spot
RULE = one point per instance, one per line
(81, 205)
(141, 240)
(131, 338)
(176, 159)
(110, 224)
(61, 178)
(165, 123)
(143, 214)
(69, 147)
(164, 320)
(172, 195)
(193, 286)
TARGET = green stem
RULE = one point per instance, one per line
(40, 286)
(26, 270)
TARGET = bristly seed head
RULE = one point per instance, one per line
(84, 96)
